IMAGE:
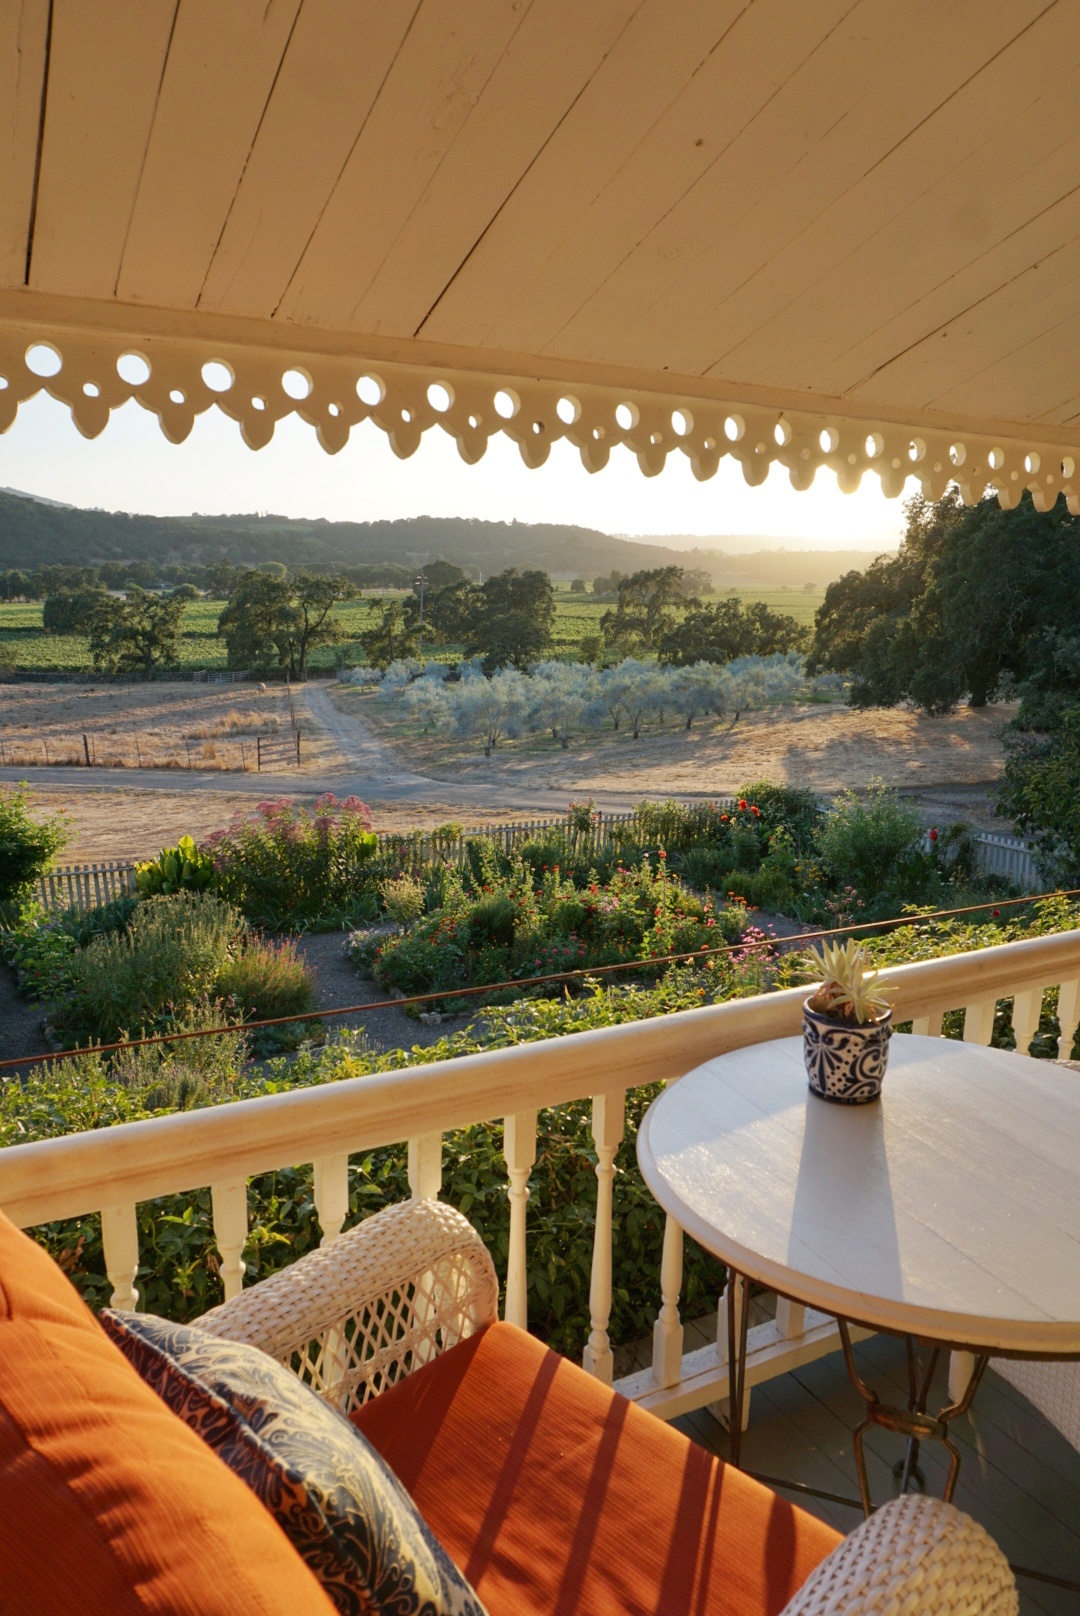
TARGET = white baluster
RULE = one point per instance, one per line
(1068, 1016)
(928, 1026)
(979, 1021)
(1026, 1012)
(790, 1318)
(519, 1148)
(961, 1369)
(331, 1175)
(425, 1182)
(667, 1339)
(331, 1195)
(425, 1167)
(608, 1119)
(230, 1213)
(120, 1241)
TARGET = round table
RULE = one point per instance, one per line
(948, 1212)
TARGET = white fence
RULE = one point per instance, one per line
(1008, 857)
(111, 1170)
(84, 886)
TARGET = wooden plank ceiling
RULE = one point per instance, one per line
(873, 200)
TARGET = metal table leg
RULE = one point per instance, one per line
(914, 1422)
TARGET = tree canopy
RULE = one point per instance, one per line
(507, 620)
(960, 612)
(727, 630)
(646, 608)
(138, 635)
(273, 622)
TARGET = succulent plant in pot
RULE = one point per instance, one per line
(847, 1023)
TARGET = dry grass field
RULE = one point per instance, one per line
(160, 725)
(952, 760)
(134, 824)
(948, 765)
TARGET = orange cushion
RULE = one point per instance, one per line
(556, 1496)
(109, 1504)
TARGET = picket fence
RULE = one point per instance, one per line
(85, 886)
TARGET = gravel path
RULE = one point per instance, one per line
(20, 1024)
(340, 983)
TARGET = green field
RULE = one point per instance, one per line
(575, 616)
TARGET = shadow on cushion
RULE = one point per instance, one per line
(557, 1497)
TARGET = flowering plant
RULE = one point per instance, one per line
(289, 867)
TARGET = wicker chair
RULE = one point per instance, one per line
(412, 1281)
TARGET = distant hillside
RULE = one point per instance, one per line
(34, 532)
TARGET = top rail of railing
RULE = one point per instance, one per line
(138, 1161)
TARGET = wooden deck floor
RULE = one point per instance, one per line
(1019, 1477)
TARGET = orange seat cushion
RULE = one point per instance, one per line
(110, 1505)
(557, 1496)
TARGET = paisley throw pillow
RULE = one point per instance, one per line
(342, 1508)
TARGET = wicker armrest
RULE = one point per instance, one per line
(370, 1306)
(913, 1554)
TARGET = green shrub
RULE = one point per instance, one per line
(527, 924)
(705, 866)
(402, 898)
(764, 888)
(266, 978)
(792, 808)
(875, 846)
(288, 869)
(28, 846)
(176, 869)
(131, 982)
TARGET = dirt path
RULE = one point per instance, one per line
(346, 741)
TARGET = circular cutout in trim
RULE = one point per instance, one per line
(297, 384)
(43, 360)
(217, 375)
(371, 390)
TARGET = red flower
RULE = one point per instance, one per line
(995, 914)
(742, 804)
(933, 835)
(724, 818)
(662, 854)
(756, 811)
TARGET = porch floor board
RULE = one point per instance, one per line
(1018, 1475)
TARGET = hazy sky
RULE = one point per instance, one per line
(132, 467)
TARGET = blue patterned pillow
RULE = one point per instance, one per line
(342, 1508)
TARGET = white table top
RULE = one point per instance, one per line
(950, 1209)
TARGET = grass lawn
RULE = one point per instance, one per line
(575, 616)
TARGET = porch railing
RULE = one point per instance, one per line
(112, 1170)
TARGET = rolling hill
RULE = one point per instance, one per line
(34, 531)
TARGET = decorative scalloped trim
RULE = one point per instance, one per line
(257, 386)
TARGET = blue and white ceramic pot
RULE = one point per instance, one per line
(845, 1063)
